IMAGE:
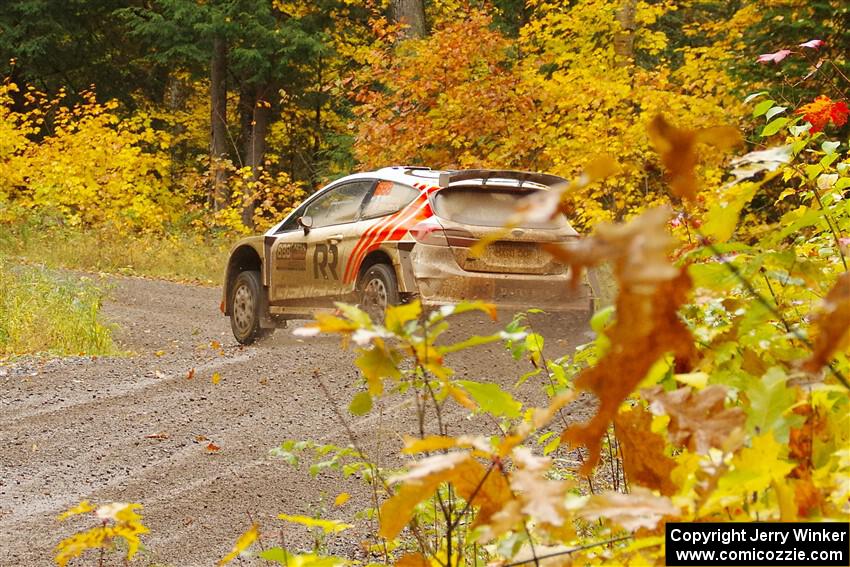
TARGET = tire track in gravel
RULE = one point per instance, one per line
(127, 428)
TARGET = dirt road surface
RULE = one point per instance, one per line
(134, 428)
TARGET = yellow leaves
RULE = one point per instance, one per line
(378, 363)
(753, 470)
(327, 526)
(833, 324)
(678, 150)
(116, 520)
(83, 507)
(216, 378)
(341, 499)
(398, 315)
(636, 510)
(243, 543)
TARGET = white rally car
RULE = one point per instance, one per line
(383, 237)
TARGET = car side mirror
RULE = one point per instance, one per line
(305, 222)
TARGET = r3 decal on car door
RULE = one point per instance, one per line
(325, 261)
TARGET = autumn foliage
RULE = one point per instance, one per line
(720, 372)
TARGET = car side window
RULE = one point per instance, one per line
(334, 207)
(387, 198)
(339, 205)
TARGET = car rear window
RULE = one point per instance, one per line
(480, 206)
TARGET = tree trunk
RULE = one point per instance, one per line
(218, 122)
(412, 14)
(624, 39)
(254, 151)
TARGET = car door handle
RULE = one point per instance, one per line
(335, 239)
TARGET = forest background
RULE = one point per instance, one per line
(176, 124)
(143, 136)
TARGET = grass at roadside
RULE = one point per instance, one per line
(184, 257)
(42, 311)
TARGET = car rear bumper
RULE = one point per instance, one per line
(439, 280)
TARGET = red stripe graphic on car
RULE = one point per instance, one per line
(377, 236)
(367, 237)
(392, 227)
(391, 232)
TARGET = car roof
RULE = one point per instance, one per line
(411, 175)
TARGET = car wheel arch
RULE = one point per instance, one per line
(245, 258)
(377, 256)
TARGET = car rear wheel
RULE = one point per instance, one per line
(245, 305)
(378, 290)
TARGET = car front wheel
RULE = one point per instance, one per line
(245, 305)
(378, 290)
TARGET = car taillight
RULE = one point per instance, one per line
(430, 231)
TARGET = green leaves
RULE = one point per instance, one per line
(773, 127)
(492, 399)
(770, 402)
(762, 107)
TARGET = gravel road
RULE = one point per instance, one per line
(134, 428)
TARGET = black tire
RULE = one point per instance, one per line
(378, 290)
(246, 303)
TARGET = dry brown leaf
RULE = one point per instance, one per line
(644, 460)
(190, 374)
(678, 150)
(213, 448)
(398, 510)
(639, 249)
(833, 324)
(542, 498)
(647, 327)
(639, 509)
(647, 324)
(698, 420)
(501, 522)
(429, 466)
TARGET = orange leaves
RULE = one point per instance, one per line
(643, 451)
(678, 150)
(647, 324)
(833, 323)
(418, 484)
(822, 111)
(412, 560)
(698, 421)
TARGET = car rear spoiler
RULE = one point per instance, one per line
(485, 175)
